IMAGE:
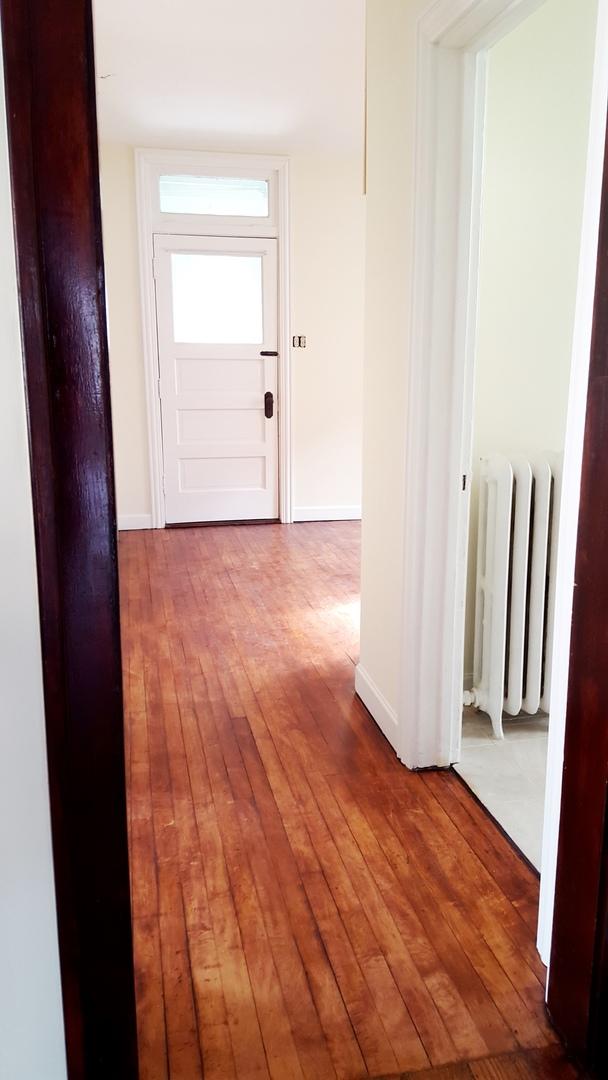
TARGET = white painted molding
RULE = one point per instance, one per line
(149, 164)
(571, 479)
(376, 704)
(149, 336)
(284, 368)
(448, 162)
(462, 24)
(134, 521)
(453, 38)
(327, 513)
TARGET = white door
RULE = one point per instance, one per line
(216, 301)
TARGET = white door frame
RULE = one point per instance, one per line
(149, 165)
(453, 39)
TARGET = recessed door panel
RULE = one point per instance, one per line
(220, 425)
(222, 474)
(219, 373)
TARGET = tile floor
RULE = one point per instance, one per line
(508, 776)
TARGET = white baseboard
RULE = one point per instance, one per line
(134, 521)
(375, 702)
(327, 513)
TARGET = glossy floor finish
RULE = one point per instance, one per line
(303, 905)
(547, 1064)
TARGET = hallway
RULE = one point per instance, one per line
(303, 906)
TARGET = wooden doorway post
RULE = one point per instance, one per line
(50, 90)
(578, 975)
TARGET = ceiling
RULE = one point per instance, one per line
(264, 75)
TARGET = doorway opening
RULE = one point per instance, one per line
(532, 197)
(290, 795)
(454, 43)
(271, 831)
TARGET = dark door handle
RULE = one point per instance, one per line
(268, 352)
(268, 404)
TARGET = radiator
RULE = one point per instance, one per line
(515, 586)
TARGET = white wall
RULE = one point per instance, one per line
(31, 1020)
(328, 241)
(537, 123)
(391, 83)
(129, 424)
(327, 304)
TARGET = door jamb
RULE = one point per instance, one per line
(453, 39)
(276, 168)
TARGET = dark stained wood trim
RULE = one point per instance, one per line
(599, 990)
(578, 982)
(49, 75)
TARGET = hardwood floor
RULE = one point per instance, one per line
(547, 1064)
(303, 905)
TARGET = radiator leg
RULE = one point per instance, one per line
(479, 700)
(496, 718)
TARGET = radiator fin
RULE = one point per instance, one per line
(515, 587)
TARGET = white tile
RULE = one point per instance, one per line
(508, 776)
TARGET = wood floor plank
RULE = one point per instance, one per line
(304, 1019)
(374, 949)
(180, 1015)
(528, 1024)
(505, 866)
(214, 1034)
(342, 1043)
(550, 1062)
(303, 905)
(450, 1012)
(534, 1066)
(151, 1034)
(246, 1035)
(481, 988)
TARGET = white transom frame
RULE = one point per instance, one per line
(150, 165)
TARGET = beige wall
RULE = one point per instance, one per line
(391, 82)
(327, 304)
(537, 119)
(328, 239)
(31, 1020)
(117, 175)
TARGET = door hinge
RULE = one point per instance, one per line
(464, 481)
